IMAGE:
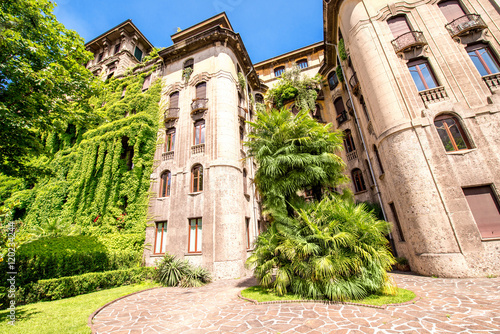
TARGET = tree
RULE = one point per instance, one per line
(42, 73)
(294, 154)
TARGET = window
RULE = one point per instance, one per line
(278, 71)
(147, 82)
(483, 59)
(174, 100)
(422, 74)
(365, 109)
(247, 231)
(339, 108)
(189, 63)
(138, 53)
(201, 90)
(199, 132)
(295, 110)
(242, 135)
(123, 92)
(240, 100)
(378, 159)
(245, 188)
(451, 133)
(357, 179)
(398, 25)
(127, 153)
(195, 235)
(165, 181)
(117, 48)
(259, 98)
(170, 140)
(197, 179)
(485, 209)
(302, 63)
(333, 81)
(451, 9)
(396, 220)
(348, 141)
(160, 238)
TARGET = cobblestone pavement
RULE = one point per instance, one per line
(445, 306)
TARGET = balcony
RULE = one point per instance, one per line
(172, 113)
(167, 156)
(411, 39)
(354, 83)
(433, 95)
(242, 113)
(352, 155)
(342, 117)
(492, 81)
(349, 105)
(199, 105)
(198, 149)
(464, 24)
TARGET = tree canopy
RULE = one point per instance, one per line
(41, 72)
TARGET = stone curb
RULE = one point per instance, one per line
(91, 317)
(382, 307)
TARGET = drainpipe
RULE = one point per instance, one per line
(356, 119)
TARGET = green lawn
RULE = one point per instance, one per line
(63, 316)
(265, 295)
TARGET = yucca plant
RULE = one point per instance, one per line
(195, 277)
(171, 270)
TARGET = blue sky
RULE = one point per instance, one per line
(268, 28)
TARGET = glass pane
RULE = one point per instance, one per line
(164, 238)
(416, 78)
(490, 62)
(201, 178)
(195, 180)
(426, 73)
(477, 62)
(457, 136)
(448, 146)
(202, 135)
(168, 184)
(197, 135)
(158, 238)
(198, 237)
(192, 235)
(163, 185)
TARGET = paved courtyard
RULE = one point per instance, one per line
(445, 306)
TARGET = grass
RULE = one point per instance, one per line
(266, 295)
(68, 315)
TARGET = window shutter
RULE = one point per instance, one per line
(339, 106)
(201, 90)
(174, 100)
(485, 209)
(451, 10)
(147, 82)
(398, 25)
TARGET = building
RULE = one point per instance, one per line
(414, 87)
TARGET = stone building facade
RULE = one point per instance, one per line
(418, 105)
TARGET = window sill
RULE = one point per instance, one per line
(461, 152)
(195, 193)
(360, 192)
(193, 254)
(162, 198)
(157, 255)
(490, 239)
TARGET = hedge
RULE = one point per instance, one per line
(64, 287)
(48, 258)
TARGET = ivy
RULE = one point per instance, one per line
(342, 51)
(340, 75)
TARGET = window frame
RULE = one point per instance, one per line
(165, 181)
(136, 53)
(358, 180)
(176, 93)
(170, 139)
(198, 228)
(332, 75)
(198, 95)
(481, 213)
(493, 58)
(302, 61)
(422, 61)
(199, 134)
(460, 128)
(245, 182)
(278, 71)
(349, 141)
(197, 175)
(247, 230)
(117, 48)
(163, 237)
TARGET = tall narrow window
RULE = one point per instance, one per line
(396, 220)
(378, 159)
(348, 141)
(333, 81)
(138, 54)
(174, 100)
(245, 188)
(363, 105)
(357, 179)
(160, 238)
(199, 132)
(165, 181)
(302, 64)
(195, 235)
(242, 135)
(278, 71)
(451, 133)
(170, 140)
(485, 209)
(398, 25)
(147, 82)
(197, 179)
(189, 63)
(117, 48)
(340, 109)
(422, 74)
(99, 57)
(259, 98)
(201, 90)
(484, 60)
(247, 231)
(451, 9)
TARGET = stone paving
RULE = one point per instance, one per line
(445, 306)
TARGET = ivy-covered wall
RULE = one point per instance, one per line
(99, 177)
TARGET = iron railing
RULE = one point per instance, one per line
(409, 40)
(464, 24)
(199, 104)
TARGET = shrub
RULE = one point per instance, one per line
(53, 289)
(176, 272)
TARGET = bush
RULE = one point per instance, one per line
(48, 258)
(64, 287)
(175, 272)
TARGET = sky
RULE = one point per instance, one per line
(268, 27)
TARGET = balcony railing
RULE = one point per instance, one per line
(172, 113)
(409, 40)
(352, 155)
(432, 95)
(167, 156)
(199, 105)
(349, 105)
(342, 117)
(492, 81)
(198, 149)
(242, 113)
(353, 81)
(464, 24)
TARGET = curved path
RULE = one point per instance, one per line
(445, 306)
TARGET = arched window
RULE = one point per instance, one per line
(197, 179)
(245, 188)
(199, 132)
(189, 63)
(259, 98)
(201, 90)
(399, 26)
(278, 71)
(348, 141)
(333, 81)
(378, 159)
(170, 140)
(451, 133)
(302, 64)
(357, 179)
(451, 9)
(165, 182)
